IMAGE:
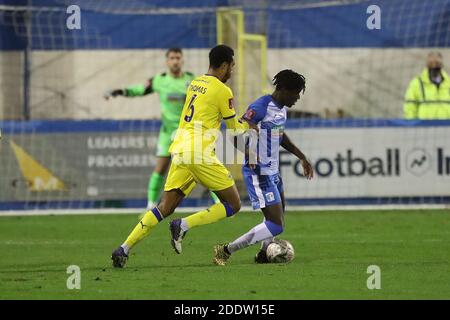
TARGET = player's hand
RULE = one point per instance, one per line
(113, 93)
(252, 156)
(308, 170)
(251, 125)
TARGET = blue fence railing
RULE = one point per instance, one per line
(72, 126)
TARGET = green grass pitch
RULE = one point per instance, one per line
(333, 251)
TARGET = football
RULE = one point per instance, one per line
(280, 251)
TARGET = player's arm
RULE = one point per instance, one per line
(226, 108)
(292, 148)
(132, 91)
(239, 140)
(250, 150)
(237, 126)
(253, 115)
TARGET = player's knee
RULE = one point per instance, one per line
(237, 206)
(274, 228)
(165, 208)
(232, 208)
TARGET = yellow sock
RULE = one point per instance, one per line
(143, 228)
(214, 213)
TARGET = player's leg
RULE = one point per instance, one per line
(156, 181)
(261, 256)
(230, 204)
(268, 229)
(216, 178)
(216, 212)
(214, 197)
(169, 201)
(264, 194)
(179, 183)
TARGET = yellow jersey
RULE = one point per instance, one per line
(208, 101)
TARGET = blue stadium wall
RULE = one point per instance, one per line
(322, 27)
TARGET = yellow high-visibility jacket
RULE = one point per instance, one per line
(425, 100)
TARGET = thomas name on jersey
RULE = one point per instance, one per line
(196, 88)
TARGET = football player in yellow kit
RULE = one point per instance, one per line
(208, 102)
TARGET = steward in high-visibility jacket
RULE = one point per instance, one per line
(427, 98)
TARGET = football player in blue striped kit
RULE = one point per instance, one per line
(262, 176)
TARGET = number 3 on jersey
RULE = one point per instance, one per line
(190, 109)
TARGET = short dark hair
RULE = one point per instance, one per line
(289, 80)
(220, 54)
(177, 50)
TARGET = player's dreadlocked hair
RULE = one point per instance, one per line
(289, 80)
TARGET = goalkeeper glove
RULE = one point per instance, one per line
(114, 93)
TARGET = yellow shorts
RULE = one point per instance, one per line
(184, 176)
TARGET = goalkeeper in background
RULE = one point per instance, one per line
(171, 88)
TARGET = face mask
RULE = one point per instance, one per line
(435, 71)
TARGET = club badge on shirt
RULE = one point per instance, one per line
(249, 114)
